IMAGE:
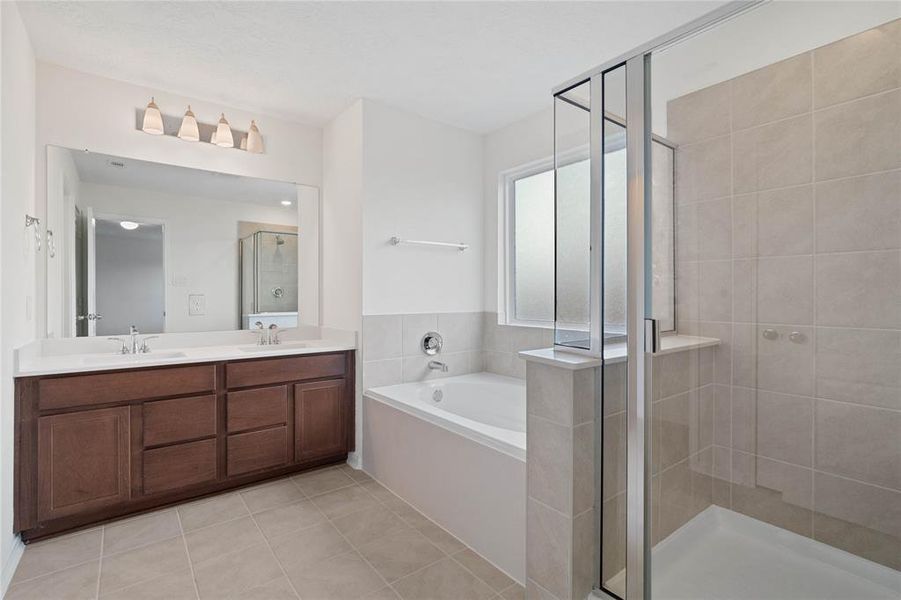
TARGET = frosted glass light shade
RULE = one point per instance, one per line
(254, 139)
(153, 119)
(223, 136)
(188, 130)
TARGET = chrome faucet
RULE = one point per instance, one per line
(266, 335)
(130, 346)
(437, 365)
(133, 333)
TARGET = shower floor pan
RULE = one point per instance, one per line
(724, 555)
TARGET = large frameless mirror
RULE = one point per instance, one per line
(167, 249)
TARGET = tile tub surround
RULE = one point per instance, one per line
(788, 200)
(473, 342)
(330, 534)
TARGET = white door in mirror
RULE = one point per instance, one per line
(196, 304)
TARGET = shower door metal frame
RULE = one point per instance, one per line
(641, 329)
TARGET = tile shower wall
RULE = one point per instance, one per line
(788, 250)
(473, 342)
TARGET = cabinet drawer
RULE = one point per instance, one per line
(257, 450)
(255, 409)
(179, 420)
(123, 386)
(179, 466)
(279, 370)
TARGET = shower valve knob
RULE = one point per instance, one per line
(770, 334)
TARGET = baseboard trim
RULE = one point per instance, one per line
(10, 562)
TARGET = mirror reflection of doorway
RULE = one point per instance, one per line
(123, 280)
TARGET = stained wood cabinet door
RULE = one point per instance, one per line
(320, 427)
(83, 461)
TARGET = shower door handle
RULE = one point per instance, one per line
(651, 335)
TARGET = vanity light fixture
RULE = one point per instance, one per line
(129, 225)
(189, 130)
(254, 139)
(223, 136)
(153, 119)
(220, 134)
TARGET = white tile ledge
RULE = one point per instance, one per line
(614, 353)
(561, 358)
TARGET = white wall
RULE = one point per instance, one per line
(519, 143)
(201, 247)
(131, 280)
(342, 220)
(78, 110)
(17, 251)
(421, 180)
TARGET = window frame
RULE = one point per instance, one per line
(506, 246)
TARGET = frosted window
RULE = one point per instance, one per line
(533, 249)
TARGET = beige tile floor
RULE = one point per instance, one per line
(333, 534)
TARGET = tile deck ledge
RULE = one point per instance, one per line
(613, 353)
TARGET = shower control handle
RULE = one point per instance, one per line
(770, 334)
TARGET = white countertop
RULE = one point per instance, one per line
(614, 353)
(80, 355)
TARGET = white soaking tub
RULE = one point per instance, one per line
(455, 449)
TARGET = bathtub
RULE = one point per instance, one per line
(455, 449)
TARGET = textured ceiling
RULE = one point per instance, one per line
(477, 65)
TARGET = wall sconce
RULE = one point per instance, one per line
(188, 130)
(224, 136)
(151, 120)
(254, 139)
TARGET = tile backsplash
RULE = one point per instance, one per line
(473, 342)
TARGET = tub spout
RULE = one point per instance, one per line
(437, 365)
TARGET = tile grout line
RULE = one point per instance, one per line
(446, 554)
(353, 547)
(471, 572)
(184, 540)
(450, 555)
(268, 545)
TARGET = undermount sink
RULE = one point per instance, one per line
(125, 358)
(275, 347)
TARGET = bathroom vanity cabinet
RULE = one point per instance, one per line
(94, 446)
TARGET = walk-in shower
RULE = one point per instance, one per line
(268, 263)
(766, 464)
